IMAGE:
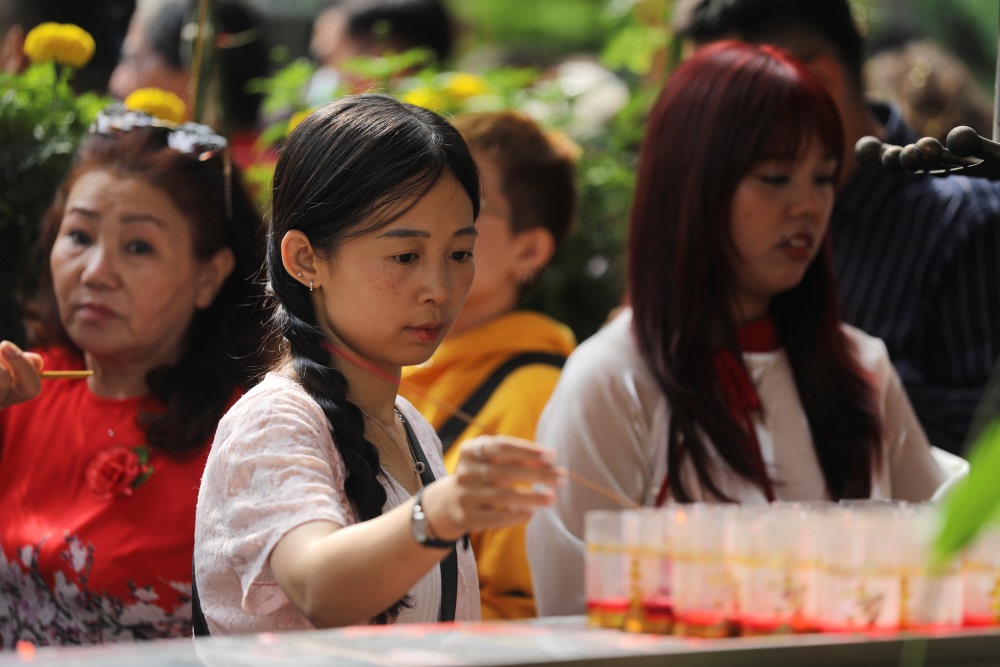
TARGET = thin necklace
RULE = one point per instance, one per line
(418, 466)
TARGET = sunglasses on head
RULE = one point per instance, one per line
(193, 139)
(190, 138)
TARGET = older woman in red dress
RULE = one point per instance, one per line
(152, 247)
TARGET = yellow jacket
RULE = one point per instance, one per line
(460, 365)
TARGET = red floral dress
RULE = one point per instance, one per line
(96, 531)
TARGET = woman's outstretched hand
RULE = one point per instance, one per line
(20, 374)
(499, 481)
(319, 565)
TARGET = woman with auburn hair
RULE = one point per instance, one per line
(728, 377)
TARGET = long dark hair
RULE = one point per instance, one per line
(226, 343)
(343, 172)
(724, 111)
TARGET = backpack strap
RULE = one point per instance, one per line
(452, 428)
(449, 566)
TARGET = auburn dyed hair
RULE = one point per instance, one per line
(723, 112)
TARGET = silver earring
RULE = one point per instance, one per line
(310, 286)
(298, 273)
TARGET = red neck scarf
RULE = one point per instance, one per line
(740, 393)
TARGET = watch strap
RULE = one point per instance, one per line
(429, 540)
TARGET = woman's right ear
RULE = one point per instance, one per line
(298, 257)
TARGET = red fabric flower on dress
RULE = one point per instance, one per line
(115, 471)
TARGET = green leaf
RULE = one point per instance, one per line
(285, 90)
(384, 69)
(973, 503)
(507, 80)
(141, 479)
(142, 452)
(634, 47)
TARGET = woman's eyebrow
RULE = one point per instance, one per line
(420, 233)
(143, 217)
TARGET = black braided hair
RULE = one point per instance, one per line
(343, 172)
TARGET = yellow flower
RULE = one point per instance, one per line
(463, 86)
(63, 43)
(425, 97)
(159, 103)
(297, 118)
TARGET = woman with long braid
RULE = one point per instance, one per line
(319, 506)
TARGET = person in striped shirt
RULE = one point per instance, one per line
(916, 256)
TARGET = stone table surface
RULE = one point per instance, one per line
(565, 641)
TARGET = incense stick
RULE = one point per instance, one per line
(66, 375)
(628, 503)
(471, 421)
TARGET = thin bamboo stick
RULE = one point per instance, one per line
(66, 375)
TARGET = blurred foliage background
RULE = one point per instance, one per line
(554, 28)
(631, 38)
(516, 46)
(561, 63)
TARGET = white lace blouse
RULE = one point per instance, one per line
(274, 467)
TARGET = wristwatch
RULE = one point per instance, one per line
(421, 528)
